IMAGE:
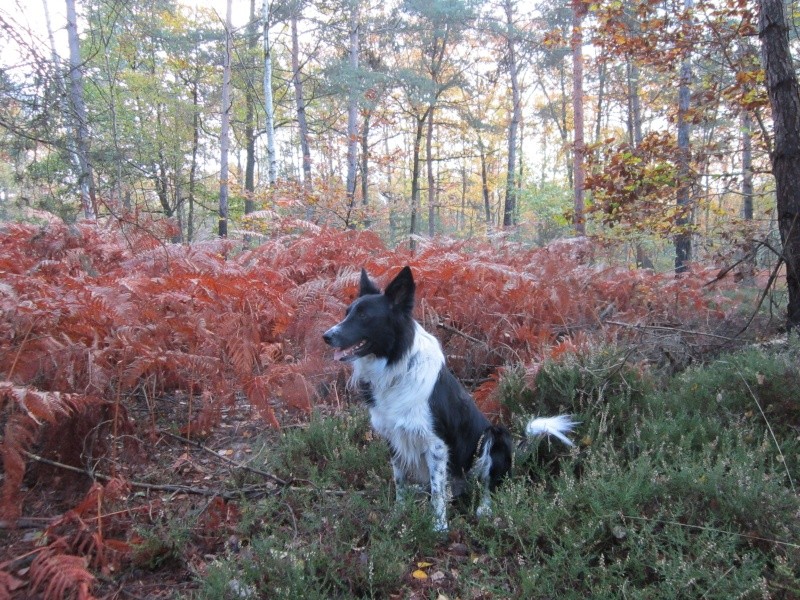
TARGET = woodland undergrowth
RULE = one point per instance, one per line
(98, 321)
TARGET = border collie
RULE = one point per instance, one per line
(436, 433)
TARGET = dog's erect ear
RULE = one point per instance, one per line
(367, 287)
(400, 291)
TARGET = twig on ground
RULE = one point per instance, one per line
(253, 491)
(711, 529)
(769, 427)
(461, 333)
(230, 461)
(673, 329)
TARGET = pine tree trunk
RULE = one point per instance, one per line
(226, 120)
(365, 167)
(300, 103)
(510, 208)
(415, 169)
(431, 179)
(683, 239)
(747, 166)
(487, 205)
(579, 145)
(784, 97)
(352, 116)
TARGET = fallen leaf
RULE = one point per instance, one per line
(422, 565)
(419, 574)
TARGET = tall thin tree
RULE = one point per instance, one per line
(510, 207)
(224, 141)
(300, 105)
(78, 106)
(269, 105)
(352, 109)
(579, 9)
(683, 238)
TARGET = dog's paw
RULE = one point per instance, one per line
(484, 511)
(440, 526)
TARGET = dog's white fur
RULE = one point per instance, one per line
(401, 414)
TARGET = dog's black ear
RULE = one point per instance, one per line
(367, 287)
(400, 291)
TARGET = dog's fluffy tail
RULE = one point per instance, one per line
(558, 426)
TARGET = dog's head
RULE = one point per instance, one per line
(376, 323)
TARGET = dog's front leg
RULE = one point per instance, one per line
(436, 457)
(400, 486)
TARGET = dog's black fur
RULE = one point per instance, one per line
(435, 431)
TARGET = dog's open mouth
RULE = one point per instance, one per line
(349, 353)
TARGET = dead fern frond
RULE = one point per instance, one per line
(57, 575)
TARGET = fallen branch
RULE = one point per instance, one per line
(450, 329)
(159, 487)
(711, 529)
(672, 329)
(253, 491)
(230, 461)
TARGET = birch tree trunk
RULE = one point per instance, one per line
(78, 106)
(272, 162)
(249, 124)
(784, 97)
(225, 130)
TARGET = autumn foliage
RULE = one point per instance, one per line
(99, 320)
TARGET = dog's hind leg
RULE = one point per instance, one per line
(481, 471)
(436, 456)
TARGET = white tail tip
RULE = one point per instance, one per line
(558, 426)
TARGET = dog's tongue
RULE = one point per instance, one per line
(340, 353)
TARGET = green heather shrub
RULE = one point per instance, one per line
(677, 488)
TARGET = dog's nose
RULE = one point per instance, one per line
(328, 337)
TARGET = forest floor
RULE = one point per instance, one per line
(676, 482)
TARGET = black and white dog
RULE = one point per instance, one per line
(432, 424)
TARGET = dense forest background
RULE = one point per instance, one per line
(599, 202)
(639, 121)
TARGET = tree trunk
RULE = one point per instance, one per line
(300, 103)
(365, 167)
(683, 239)
(784, 97)
(487, 203)
(634, 104)
(579, 146)
(431, 179)
(86, 176)
(226, 119)
(747, 166)
(352, 114)
(510, 208)
(415, 168)
(195, 149)
(601, 94)
(272, 161)
(249, 123)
